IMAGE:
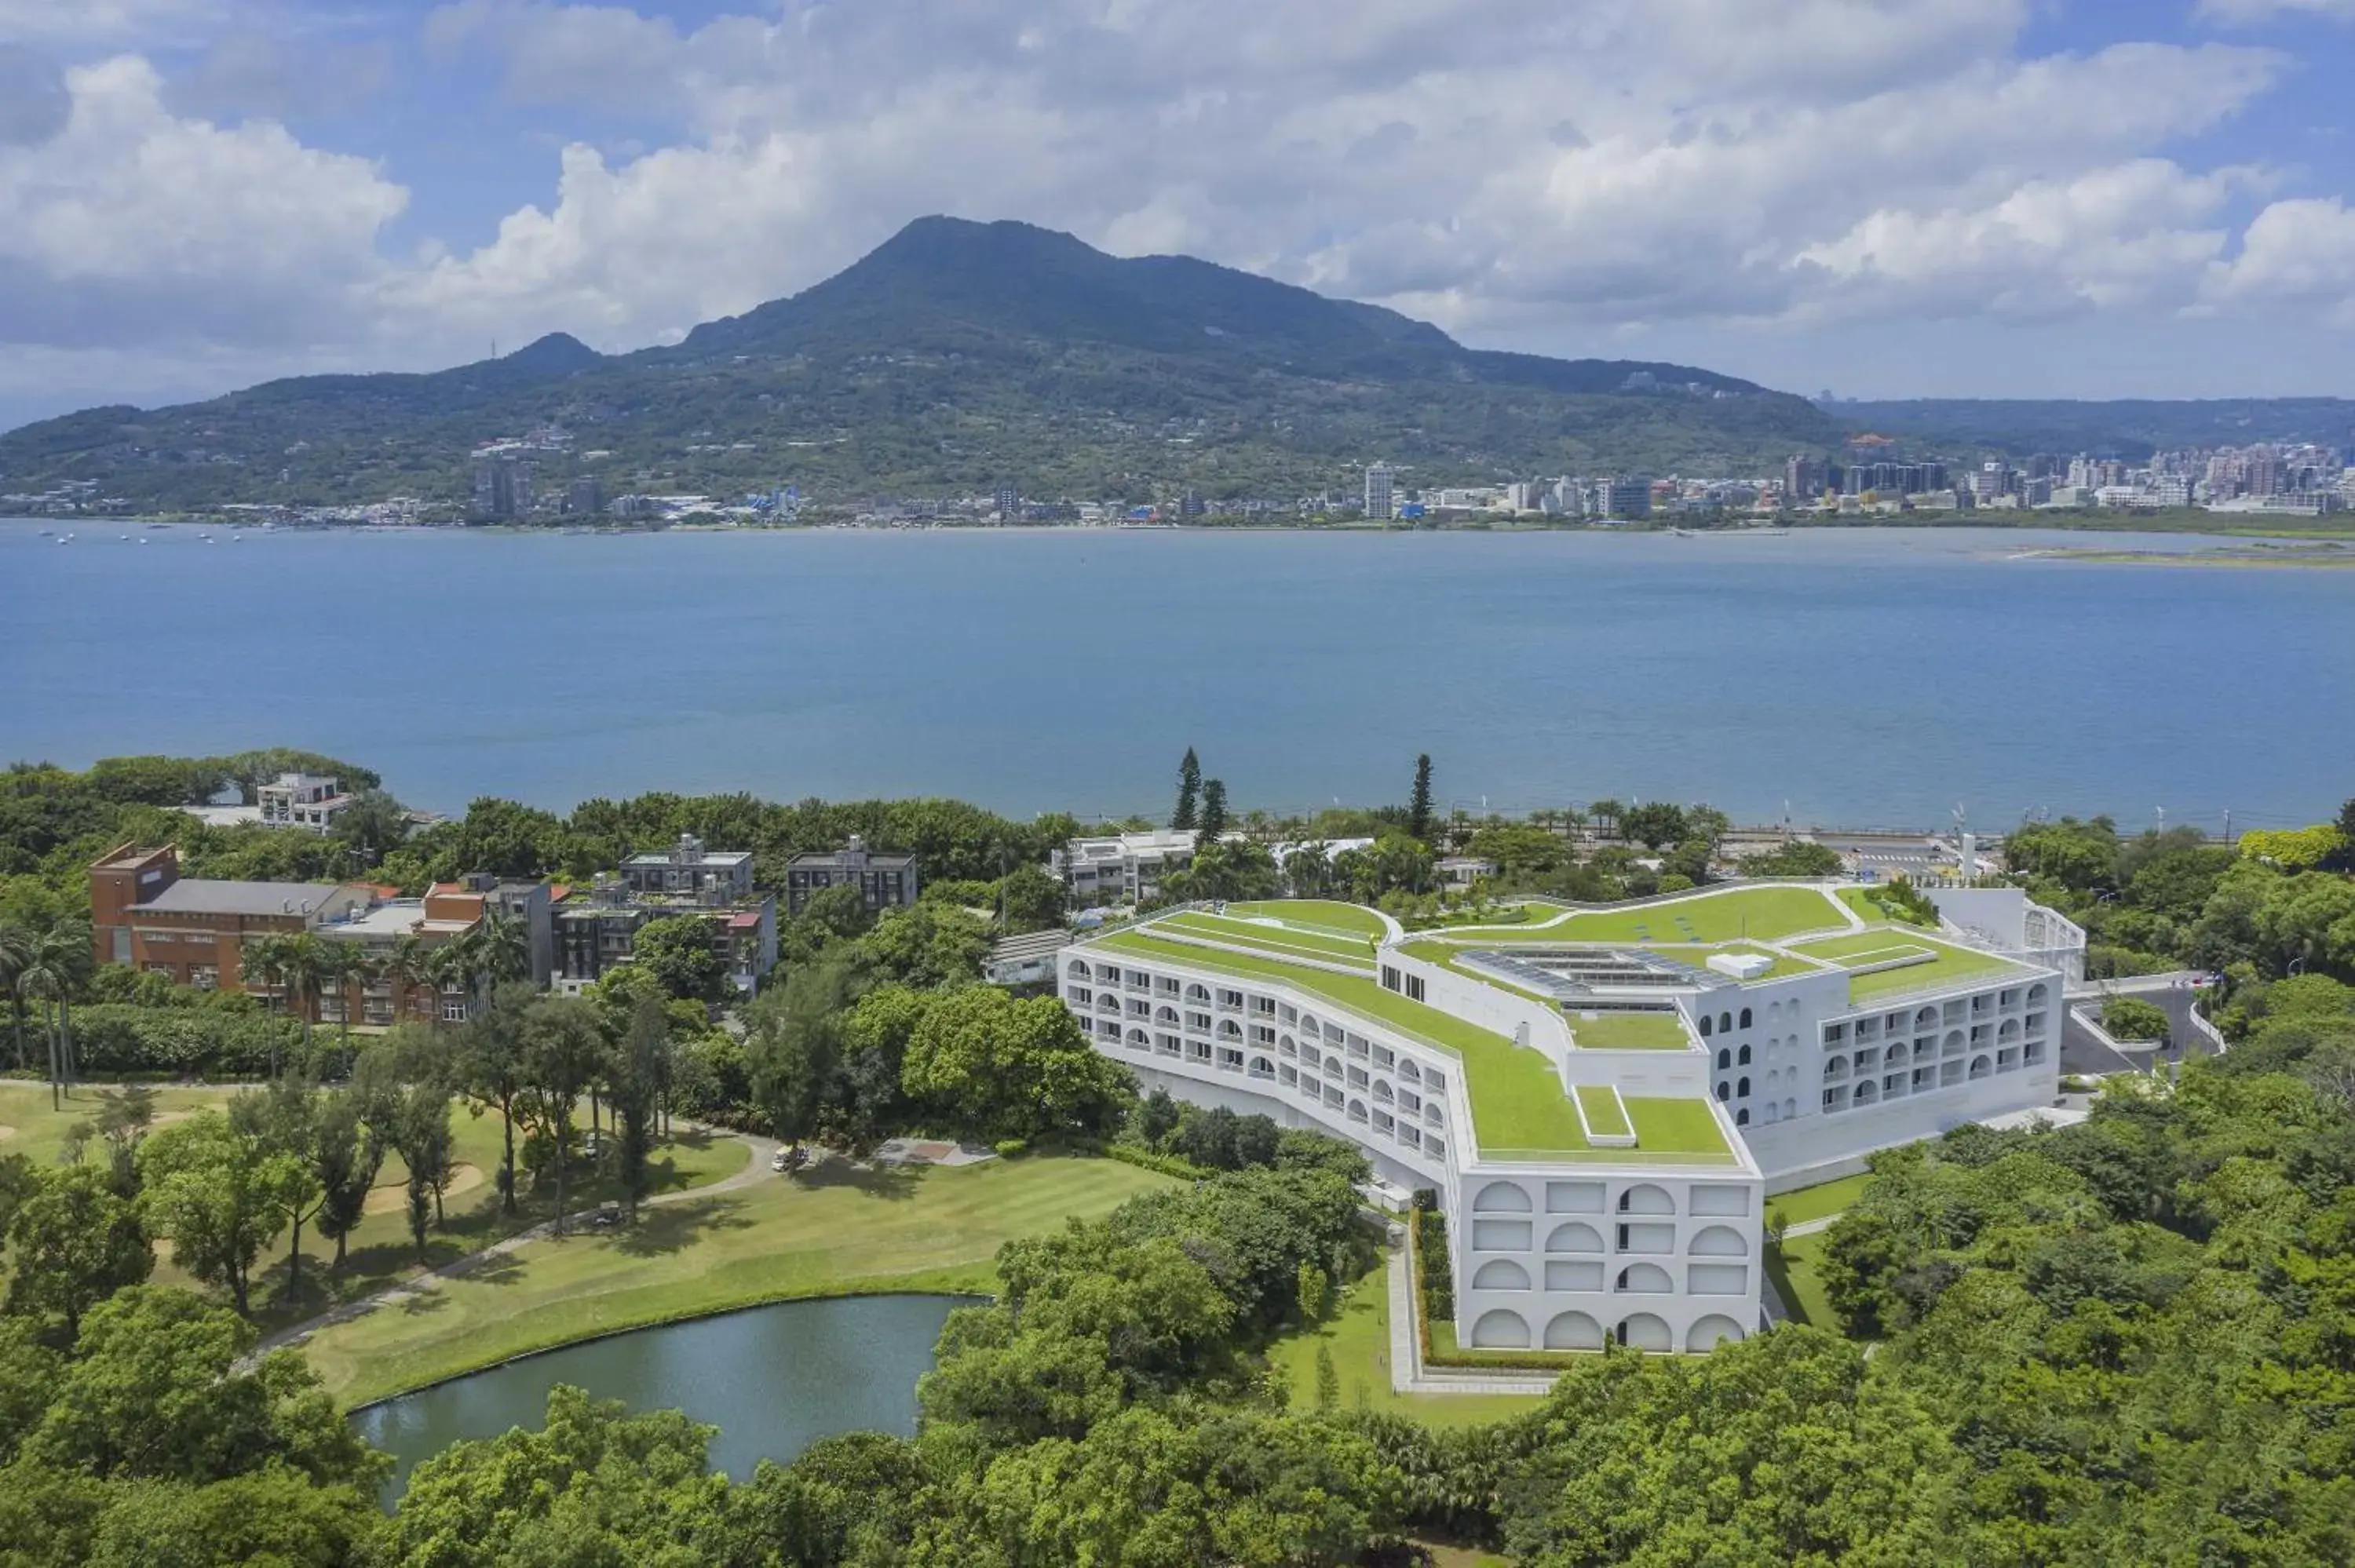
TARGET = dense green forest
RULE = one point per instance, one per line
(2127, 1341)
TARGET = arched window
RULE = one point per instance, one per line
(1078, 970)
(1573, 1332)
(1383, 1095)
(1198, 994)
(1982, 1066)
(1741, 1089)
(1722, 1090)
(1229, 1029)
(1574, 1235)
(1745, 1018)
(1644, 1198)
(1741, 1118)
(1713, 1331)
(1647, 1278)
(1410, 1073)
(1725, 1021)
(1646, 1332)
(1790, 1108)
(1706, 1027)
(1724, 1060)
(1501, 1331)
(1743, 1059)
(1502, 1198)
(1501, 1274)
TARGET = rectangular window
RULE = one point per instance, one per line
(1390, 976)
(1200, 1021)
(1230, 1057)
(453, 1010)
(1230, 999)
(1414, 988)
(1385, 1057)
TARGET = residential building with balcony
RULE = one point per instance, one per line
(1601, 1097)
(1121, 868)
(884, 880)
(595, 929)
(307, 801)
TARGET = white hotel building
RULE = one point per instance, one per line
(1601, 1097)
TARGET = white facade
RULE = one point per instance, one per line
(1662, 1252)
(1121, 868)
(1878, 1036)
(305, 800)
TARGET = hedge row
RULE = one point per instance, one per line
(115, 1039)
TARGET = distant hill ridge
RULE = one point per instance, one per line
(959, 354)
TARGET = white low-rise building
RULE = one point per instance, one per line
(1601, 1098)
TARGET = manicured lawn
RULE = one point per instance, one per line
(1330, 914)
(1628, 1031)
(834, 1231)
(1947, 965)
(1767, 914)
(1603, 1117)
(1796, 1270)
(379, 1251)
(1861, 900)
(1358, 1331)
(39, 1133)
(1281, 940)
(1672, 1126)
(1821, 1202)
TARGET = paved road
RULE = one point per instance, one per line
(2081, 1053)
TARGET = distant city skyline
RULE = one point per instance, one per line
(1933, 197)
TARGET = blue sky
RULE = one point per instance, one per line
(1880, 198)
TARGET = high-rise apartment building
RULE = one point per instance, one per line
(1380, 500)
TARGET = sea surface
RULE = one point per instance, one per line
(1853, 676)
(773, 1380)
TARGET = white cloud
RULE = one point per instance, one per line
(2245, 12)
(132, 225)
(2299, 253)
(1573, 170)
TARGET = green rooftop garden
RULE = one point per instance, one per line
(1326, 914)
(1765, 913)
(1602, 1114)
(1781, 964)
(1518, 1104)
(1279, 939)
(1944, 965)
(1627, 1030)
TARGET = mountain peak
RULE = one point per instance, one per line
(558, 353)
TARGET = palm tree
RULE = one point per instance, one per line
(57, 964)
(503, 952)
(16, 953)
(406, 967)
(346, 966)
(293, 964)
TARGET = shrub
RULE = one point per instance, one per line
(172, 1042)
(2131, 1018)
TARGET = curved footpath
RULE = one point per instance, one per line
(417, 1285)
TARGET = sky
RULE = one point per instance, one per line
(1871, 197)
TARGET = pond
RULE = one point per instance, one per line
(773, 1379)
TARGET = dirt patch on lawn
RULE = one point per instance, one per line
(394, 1199)
(6, 1132)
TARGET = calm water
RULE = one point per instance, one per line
(1863, 676)
(773, 1380)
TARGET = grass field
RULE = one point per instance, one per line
(1628, 1032)
(379, 1251)
(1768, 914)
(1329, 914)
(1947, 965)
(1603, 1117)
(1796, 1268)
(835, 1231)
(1281, 941)
(1820, 1202)
(1358, 1331)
